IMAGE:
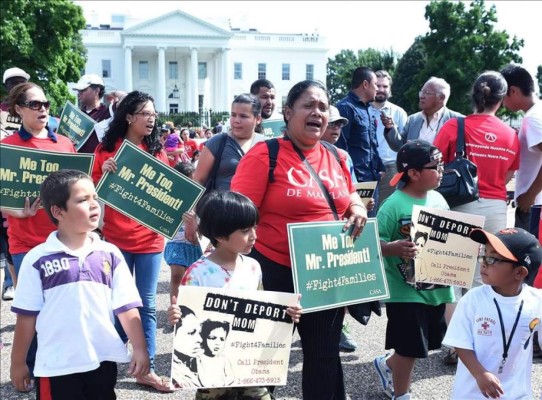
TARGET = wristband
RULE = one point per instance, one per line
(357, 205)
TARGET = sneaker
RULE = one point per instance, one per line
(405, 396)
(347, 344)
(8, 293)
(384, 373)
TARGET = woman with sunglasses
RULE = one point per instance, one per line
(31, 226)
(135, 121)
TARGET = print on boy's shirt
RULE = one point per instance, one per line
(486, 325)
(303, 184)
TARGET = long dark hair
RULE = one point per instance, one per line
(118, 127)
(488, 90)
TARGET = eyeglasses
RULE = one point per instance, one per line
(336, 124)
(426, 93)
(35, 104)
(493, 260)
(147, 114)
(435, 167)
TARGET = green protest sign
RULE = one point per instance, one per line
(331, 270)
(148, 191)
(75, 125)
(22, 170)
(273, 128)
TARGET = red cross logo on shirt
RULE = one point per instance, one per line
(485, 325)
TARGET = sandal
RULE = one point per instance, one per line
(153, 380)
(451, 357)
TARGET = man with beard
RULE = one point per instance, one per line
(265, 92)
(359, 136)
(90, 89)
(399, 118)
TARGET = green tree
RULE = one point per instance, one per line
(405, 93)
(341, 67)
(462, 43)
(42, 37)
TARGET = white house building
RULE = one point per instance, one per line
(188, 64)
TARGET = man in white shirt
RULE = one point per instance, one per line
(521, 96)
(399, 118)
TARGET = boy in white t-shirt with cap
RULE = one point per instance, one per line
(493, 325)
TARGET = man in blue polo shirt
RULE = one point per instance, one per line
(358, 138)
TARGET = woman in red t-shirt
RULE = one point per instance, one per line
(292, 197)
(30, 226)
(135, 121)
(494, 147)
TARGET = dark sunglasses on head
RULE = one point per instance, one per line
(35, 105)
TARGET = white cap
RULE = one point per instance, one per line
(15, 72)
(87, 80)
(334, 115)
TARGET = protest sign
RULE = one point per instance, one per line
(446, 254)
(273, 128)
(148, 191)
(75, 125)
(22, 171)
(366, 190)
(9, 124)
(229, 337)
(330, 269)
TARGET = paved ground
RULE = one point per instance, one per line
(432, 380)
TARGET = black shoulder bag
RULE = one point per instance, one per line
(361, 312)
(210, 185)
(459, 183)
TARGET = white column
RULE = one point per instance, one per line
(217, 95)
(188, 85)
(226, 79)
(128, 84)
(194, 78)
(161, 84)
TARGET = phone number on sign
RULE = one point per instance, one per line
(257, 381)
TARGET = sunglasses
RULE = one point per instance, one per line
(35, 104)
(336, 124)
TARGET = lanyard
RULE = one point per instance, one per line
(505, 344)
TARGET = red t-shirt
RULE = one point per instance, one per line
(26, 233)
(190, 146)
(293, 196)
(124, 232)
(491, 144)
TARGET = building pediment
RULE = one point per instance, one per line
(177, 23)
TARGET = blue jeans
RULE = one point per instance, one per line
(146, 267)
(32, 350)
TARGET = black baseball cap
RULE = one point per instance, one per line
(414, 155)
(515, 244)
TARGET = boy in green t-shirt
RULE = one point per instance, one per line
(415, 314)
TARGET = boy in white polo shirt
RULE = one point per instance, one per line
(68, 290)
